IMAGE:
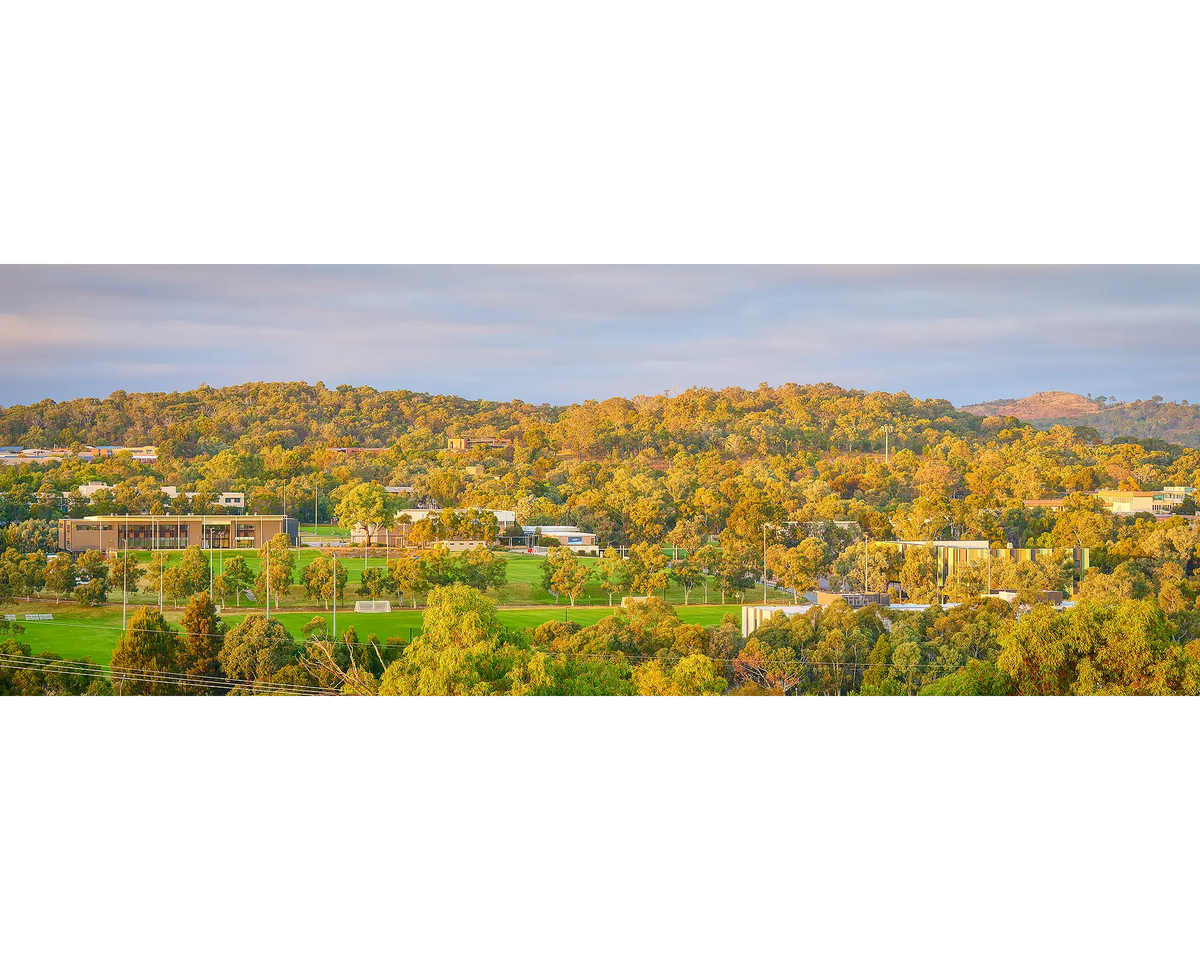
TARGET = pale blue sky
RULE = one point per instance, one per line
(562, 334)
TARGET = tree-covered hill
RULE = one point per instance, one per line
(297, 414)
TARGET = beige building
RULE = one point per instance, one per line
(470, 443)
(1159, 503)
(161, 532)
(142, 454)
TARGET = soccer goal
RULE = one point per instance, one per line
(372, 606)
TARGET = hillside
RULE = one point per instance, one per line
(1176, 422)
(1047, 405)
(262, 415)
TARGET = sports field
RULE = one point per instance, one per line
(524, 587)
(78, 631)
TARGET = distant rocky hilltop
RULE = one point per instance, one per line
(1174, 422)
(1047, 405)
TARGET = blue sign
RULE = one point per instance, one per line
(578, 540)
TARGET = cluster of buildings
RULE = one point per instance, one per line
(950, 557)
(1159, 503)
(13, 455)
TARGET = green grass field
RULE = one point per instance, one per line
(78, 631)
(523, 588)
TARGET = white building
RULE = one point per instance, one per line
(229, 500)
(571, 537)
(413, 515)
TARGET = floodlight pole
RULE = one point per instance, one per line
(335, 573)
(765, 563)
(125, 574)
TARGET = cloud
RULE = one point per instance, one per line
(560, 334)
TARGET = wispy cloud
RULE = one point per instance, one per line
(567, 333)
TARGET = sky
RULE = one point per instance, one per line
(562, 334)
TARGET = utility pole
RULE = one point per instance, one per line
(268, 579)
(866, 578)
(335, 573)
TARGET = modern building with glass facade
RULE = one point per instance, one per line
(953, 554)
(152, 532)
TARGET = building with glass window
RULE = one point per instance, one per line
(153, 532)
(951, 555)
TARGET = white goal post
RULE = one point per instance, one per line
(372, 606)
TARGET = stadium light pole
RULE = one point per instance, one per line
(125, 575)
(335, 573)
(765, 525)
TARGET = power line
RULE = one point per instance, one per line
(98, 671)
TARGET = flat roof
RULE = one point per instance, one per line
(187, 516)
(960, 544)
